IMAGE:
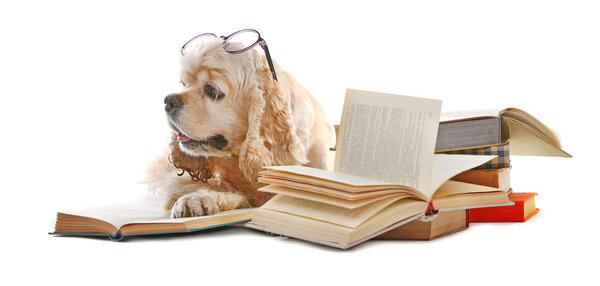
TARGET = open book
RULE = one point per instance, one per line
(482, 128)
(146, 217)
(385, 175)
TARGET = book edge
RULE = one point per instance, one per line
(119, 236)
(331, 243)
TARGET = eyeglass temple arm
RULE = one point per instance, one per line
(263, 44)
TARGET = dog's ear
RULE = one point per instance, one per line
(271, 138)
(197, 167)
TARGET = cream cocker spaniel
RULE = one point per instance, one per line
(231, 119)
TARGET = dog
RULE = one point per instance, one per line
(230, 120)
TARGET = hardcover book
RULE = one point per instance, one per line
(495, 178)
(146, 217)
(470, 133)
(386, 174)
(501, 151)
(523, 209)
(430, 227)
(484, 128)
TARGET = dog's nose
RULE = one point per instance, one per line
(172, 103)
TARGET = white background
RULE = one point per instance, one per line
(82, 88)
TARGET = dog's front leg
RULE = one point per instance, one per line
(206, 202)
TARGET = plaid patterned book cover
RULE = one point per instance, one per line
(502, 151)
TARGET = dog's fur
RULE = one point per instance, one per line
(263, 122)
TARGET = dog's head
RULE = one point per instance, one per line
(230, 105)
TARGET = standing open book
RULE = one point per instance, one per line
(385, 175)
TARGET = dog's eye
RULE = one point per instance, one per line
(213, 92)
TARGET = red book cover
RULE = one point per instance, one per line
(523, 209)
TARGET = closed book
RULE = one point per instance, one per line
(502, 151)
(470, 133)
(430, 227)
(495, 178)
(522, 210)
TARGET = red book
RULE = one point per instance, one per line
(523, 209)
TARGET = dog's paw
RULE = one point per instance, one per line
(194, 204)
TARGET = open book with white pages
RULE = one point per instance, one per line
(385, 175)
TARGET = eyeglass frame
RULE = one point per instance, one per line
(260, 41)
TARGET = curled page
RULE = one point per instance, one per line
(446, 166)
(388, 138)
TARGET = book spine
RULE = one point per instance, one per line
(469, 134)
(502, 151)
(494, 178)
(514, 213)
(119, 236)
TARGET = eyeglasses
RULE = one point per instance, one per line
(248, 38)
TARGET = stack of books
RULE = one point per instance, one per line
(500, 133)
(485, 132)
(387, 139)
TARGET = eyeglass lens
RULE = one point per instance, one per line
(241, 40)
(199, 40)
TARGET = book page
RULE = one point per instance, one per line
(119, 215)
(332, 200)
(446, 166)
(522, 116)
(451, 188)
(215, 217)
(326, 212)
(343, 194)
(328, 175)
(388, 138)
(524, 140)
